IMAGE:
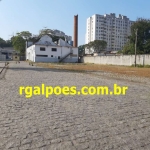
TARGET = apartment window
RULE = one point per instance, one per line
(51, 55)
(54, 49)
(42, 48)
(41, 55)
(58, 57)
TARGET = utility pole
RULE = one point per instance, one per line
(136, 30)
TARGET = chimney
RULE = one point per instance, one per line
(75, 42)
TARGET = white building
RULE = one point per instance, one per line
(45, 50)
(114, 30)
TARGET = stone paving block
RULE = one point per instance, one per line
(71, 122)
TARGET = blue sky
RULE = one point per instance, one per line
(33, 15)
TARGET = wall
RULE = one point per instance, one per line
(30, 53)
(2, 57)
(126, 60)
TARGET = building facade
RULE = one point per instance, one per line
(114, 30)
(45, 50)
(8, 52)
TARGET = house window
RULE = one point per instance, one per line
(51, 55)
(42, 48)
(54, 49)
(41, 55)
(58, 57)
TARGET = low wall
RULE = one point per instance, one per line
(126, 60)
(2, 57)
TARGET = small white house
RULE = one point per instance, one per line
(45, 50)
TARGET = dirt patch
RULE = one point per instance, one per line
(125, 70)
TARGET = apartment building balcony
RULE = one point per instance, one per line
(112, 39)
(113, 42)
(104, 37)
(103, 27)
(125, 34)
(102, 24)
(104, 33)
(113, 32)
(101, 21)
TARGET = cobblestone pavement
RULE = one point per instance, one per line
(71, 122)
(1, 65)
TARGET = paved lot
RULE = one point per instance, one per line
(1, 65)
(71, 122)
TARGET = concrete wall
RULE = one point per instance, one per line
(2, 57)
(46, 59)
(126, 60)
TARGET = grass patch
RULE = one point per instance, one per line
(141, 66)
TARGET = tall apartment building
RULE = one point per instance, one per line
(114, 30)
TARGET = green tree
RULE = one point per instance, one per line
(143, 38)
(19, 41)
(25, 35)
(6, 43)
(19, 44)
(89, 47)
(146, 47)
(50, 33)
(2, 42)
(46, 31)
(97, 45)
(81, 49)
(128, 49)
